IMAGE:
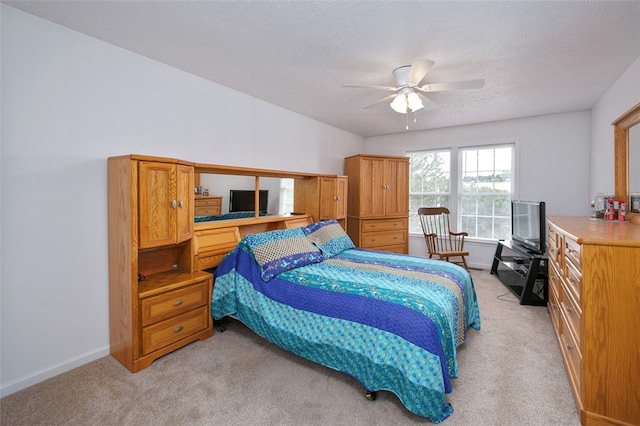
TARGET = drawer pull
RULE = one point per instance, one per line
(177, 329)
(181, 204)
(569, 347)
(173, 204)
(569, 309)
(177, 303)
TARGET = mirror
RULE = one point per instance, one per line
(221, 185)
(626, 148)
(220, 179)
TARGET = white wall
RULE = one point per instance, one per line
(552, 162)
(69, 102)
(624, 94)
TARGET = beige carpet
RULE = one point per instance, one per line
(511, 373)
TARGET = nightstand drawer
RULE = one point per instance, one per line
(169, 304)
(166, 332)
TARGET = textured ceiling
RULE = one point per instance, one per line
(537, 57)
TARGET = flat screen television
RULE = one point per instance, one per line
(241, 200)
(528, 225)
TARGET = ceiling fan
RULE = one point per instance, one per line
(408, 94)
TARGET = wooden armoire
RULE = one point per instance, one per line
(378, 204)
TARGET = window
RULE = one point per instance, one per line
(486, 187)
(429, 183)
(286, 196)
(478, 190)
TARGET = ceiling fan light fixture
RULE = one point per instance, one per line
(414, 102)
(399, 103)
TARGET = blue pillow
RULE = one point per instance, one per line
(282, 250)
(329, 237)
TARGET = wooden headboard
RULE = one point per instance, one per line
(213, 240)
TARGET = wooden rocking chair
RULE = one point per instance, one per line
(440, 240)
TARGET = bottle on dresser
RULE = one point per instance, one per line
(622, 210)
(635, 202)
(610, 213)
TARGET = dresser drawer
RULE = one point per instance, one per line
(400, 249)
(207, 202)
(573, 358)
(169, 331)
(372, 225)
(207, 211)
(554, 307)
(376, 239)
(573, 316)
(554, 277)
(573, 252)
(171, 303)
(573, 280)
(554, 245)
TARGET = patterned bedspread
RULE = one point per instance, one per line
(391, 321)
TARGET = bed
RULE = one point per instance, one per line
(391, 321)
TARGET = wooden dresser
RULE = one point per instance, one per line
(378, 204)
(594, 304)
(208, 205)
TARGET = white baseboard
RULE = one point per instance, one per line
(42, 375)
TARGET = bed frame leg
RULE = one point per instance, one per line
(371, 395)
(220, 326)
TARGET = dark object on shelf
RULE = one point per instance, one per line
(522, 271)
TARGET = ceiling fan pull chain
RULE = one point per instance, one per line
(407, 121)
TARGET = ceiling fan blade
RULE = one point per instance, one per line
(380, 101)
(419, 68)
(364, 86)
(428, 103)
(455, 85)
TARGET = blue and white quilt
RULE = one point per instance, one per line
(391, 321)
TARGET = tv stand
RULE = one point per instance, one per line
(522, 271)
